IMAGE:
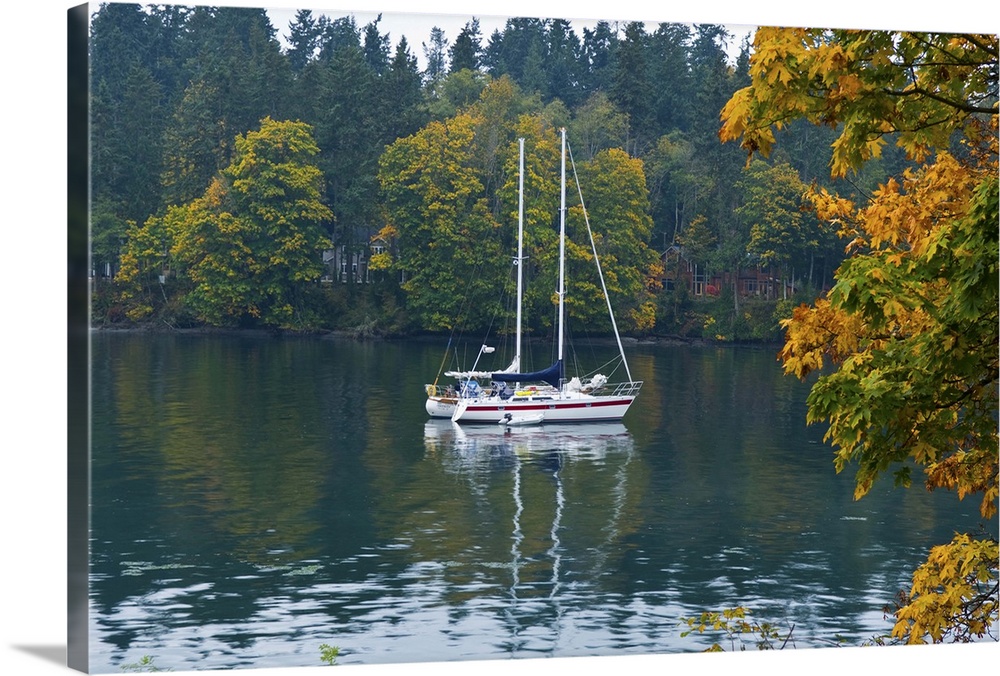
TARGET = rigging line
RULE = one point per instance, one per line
(600, 273)
(493, 320)
(466, 303)
(606, 364)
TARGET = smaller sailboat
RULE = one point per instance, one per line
(545, 395)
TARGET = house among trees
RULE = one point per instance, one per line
(346, 266)
(700, 281)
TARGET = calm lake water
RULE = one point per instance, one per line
(255, 498)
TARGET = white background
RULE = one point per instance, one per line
(33, 329)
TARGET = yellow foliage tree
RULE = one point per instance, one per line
(910, 328)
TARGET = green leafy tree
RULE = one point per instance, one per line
(448, 244)
(562, 63)
(699, 241)
(617, 207)
(678, 183)
(781, 232)
(246, 251)
(456, 92)
(909, 332)
(509, 51)
(349, 127)
(541, 209)
(672, 98)
(127, 119)
(598, 125)
(197, 143)
(598, 50)
(402, 96)
(126, 162)
(336, 34)
(236, 76)
(616, 202)
(533, 78)
(715, 81)
(376, 47)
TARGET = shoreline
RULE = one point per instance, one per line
(657, 340)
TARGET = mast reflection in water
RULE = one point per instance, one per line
(256, 498)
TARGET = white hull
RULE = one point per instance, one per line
(559, 408)
(440, 407)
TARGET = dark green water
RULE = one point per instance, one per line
(254, 498)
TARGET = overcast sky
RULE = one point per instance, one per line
(739, 17)
(416, 26)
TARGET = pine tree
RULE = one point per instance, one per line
(436, 54)
(465, 52)
(376, 47)
(562, 63)
(599, 48)
(631, 88)
(303, 39)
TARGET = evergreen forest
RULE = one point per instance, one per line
(328, 182)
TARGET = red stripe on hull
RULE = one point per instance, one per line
(547, 407)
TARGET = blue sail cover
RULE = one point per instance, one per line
(552, 375)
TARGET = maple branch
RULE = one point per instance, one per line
(958, 105)
(989, 49)
(971, 38)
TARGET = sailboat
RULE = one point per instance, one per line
(546, 396)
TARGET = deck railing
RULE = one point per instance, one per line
(626, 389)
(629, 389)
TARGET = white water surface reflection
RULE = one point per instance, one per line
(255, 498)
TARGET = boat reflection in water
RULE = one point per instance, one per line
(556, 499)
(469, 445)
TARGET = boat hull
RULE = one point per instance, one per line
(440, 407)
(576, 409)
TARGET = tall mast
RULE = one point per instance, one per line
(520, 249)
(562, 243)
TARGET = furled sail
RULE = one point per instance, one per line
(552, 375)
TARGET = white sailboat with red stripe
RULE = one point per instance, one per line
(545, 396)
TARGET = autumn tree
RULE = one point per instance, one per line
(435, 200)
(245, 252)
(907, 338)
